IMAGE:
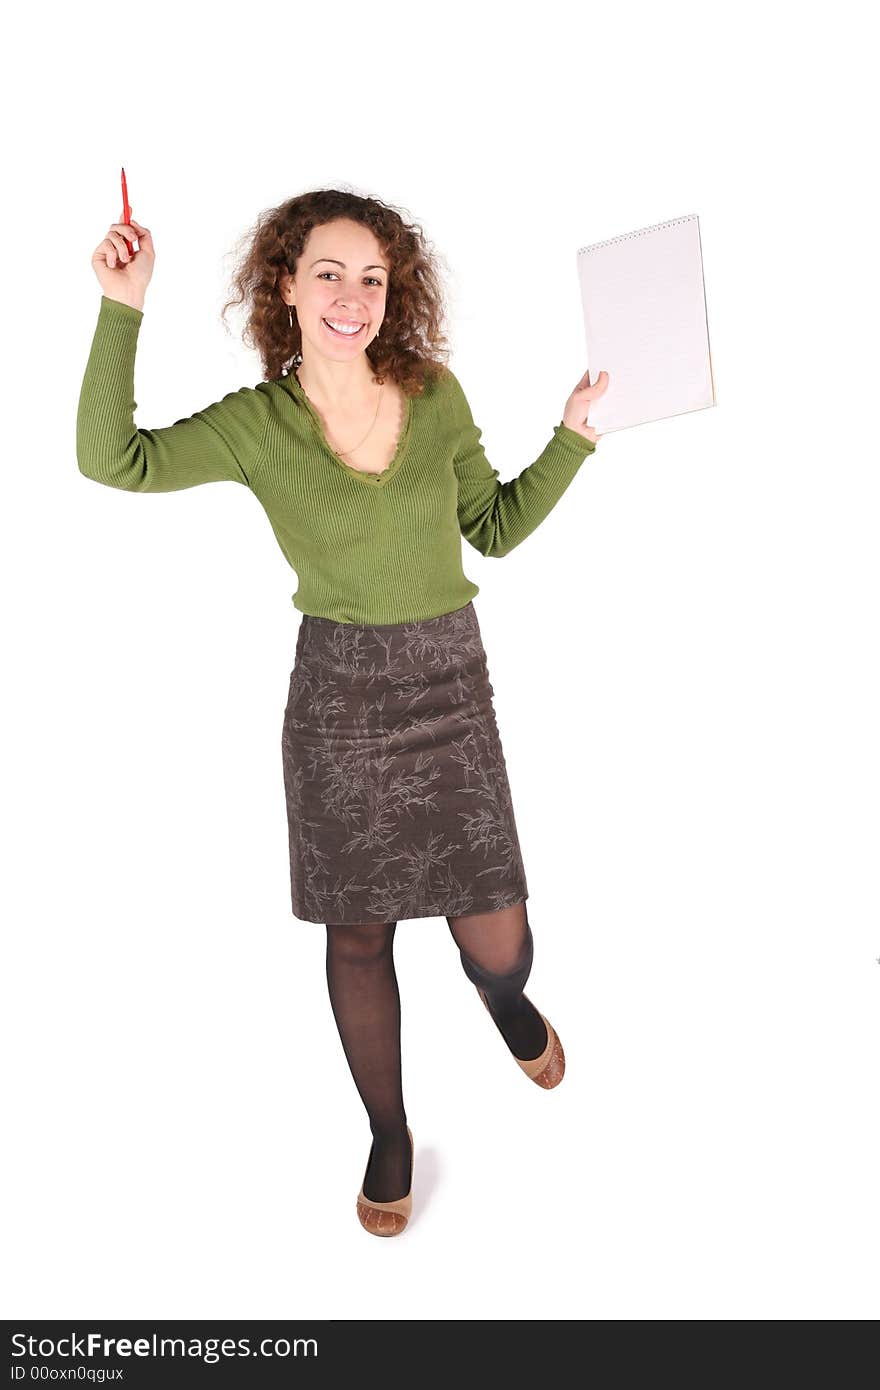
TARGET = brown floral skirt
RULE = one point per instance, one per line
(398, 803)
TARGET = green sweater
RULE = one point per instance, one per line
(367, 548)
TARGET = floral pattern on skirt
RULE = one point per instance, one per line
(398, 802)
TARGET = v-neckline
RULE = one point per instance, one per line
(370, 479)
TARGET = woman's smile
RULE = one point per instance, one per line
(343, 328)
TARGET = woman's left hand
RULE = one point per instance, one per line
(578, 405)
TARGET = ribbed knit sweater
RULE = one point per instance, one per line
(367, 548)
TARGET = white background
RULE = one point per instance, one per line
(684, 659)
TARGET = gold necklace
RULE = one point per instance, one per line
(341, 452)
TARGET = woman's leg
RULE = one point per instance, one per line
(366, 1005)
(496, 950)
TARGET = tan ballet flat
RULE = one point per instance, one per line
(387, 1218)
(548, 1069)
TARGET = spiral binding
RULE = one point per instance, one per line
(643, 231)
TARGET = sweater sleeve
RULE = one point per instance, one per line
(496, 516)
(217, 444)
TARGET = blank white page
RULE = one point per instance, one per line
(646, 325)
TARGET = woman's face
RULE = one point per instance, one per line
(341, 278)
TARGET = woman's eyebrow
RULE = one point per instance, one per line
(342, 263)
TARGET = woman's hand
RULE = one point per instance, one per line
(578, 405)
(125, 277)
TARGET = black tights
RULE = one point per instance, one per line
(496, 950)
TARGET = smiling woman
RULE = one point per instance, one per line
(395, 783)
(331, 253)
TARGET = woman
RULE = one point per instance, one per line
(368, 463)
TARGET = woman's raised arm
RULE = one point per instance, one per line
(217, 444)
(494, 516)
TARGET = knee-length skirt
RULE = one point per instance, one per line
(398, 799)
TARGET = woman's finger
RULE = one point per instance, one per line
(597, 386)
(118, 241)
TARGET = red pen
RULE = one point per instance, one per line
(126, 212)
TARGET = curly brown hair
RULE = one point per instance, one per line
(411, 348)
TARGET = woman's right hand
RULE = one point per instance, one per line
(125, 277)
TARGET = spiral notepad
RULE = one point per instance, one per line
(646, 324)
